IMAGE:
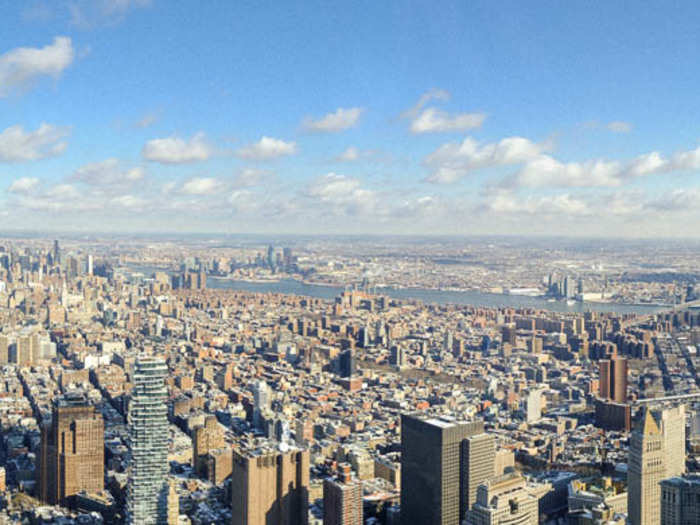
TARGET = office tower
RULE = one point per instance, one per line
(680, 501)
(613, 379)
(346, 363)
(261, 402)
(72, 450)
(672, 422)
(398, 356)
(206, 438)
(173, 504)
(4, 350)
(56, 255)
(479, 461)
(533, 406)
(504, 500)
(645, 469)
(270, 486)
(342, 499)
(24, 350)
(148, 444)
(89, 265)
(433, 477)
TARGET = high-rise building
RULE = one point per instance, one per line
(672, 421)
(645, 470)
(533, 405)
(148, 444)
(612, 384)
(72, 450)
(56, 254)
(479, 461)
(434, 470)
(680, 501)
(346, 363)
(4, 350)
(504, 500)
(270, 486)
(342, 499)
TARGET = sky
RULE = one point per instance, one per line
(407, 117)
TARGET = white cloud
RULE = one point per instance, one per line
(267, 148)
(545, 171)
(21, 67)
(147, 120)
(18, 145)
(339, 120)
(128, 201)
(175, 150)
(344, 194)
(433, 120)
(432, 94)
(88, 13)
(686, 160)
(505, 202)
(243, 201)
(349, 155)
(618, 126)
(249, 177)
(201, 186)
(107, 172)
(452, 161)
(23, 185)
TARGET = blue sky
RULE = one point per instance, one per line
(359, 117)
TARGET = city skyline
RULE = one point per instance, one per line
(137, 116)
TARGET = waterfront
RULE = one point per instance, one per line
(471, 297)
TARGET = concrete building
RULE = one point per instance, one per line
(672, 422)
(147, 499)
(646, 469)
(533, 406)
(270, 486)
(72, 450)
(342, 499)
(680, 501)
(434, 487)
(479, 462)
(505, 500)
(613, 379)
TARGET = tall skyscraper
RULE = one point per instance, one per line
(72, 450)
(147, 499)
(673, 429)
(270, 486)
(612, 384)
(645, 470)
(342, 499)
(434, 468)
(478, 463)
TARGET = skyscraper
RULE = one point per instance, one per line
(270, 486)
(673, 429)
(478, 463)
(342, 499)
(72, 450)
(646, 469)
(148, 444)
(434, 487)
(613, 379)
(533, 405)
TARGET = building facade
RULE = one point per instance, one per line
(270, 486)
(72, 450)
(147, 498)
(433, 471)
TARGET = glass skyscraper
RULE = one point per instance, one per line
(148, 444)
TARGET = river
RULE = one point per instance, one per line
(491, 300)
